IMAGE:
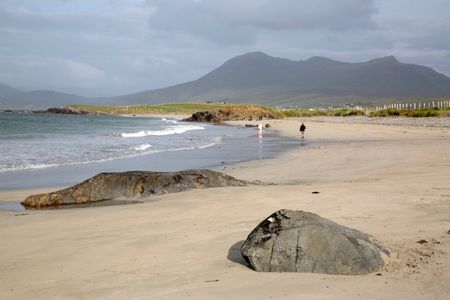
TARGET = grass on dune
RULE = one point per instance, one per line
(177, 109)
(317, 112)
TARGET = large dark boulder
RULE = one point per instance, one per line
(298, 241)
(67, 110)
(205, 117)
(131, 185)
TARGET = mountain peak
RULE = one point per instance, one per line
(387, 60)
(254, 54)
(319, 59)
(250, 56)
(249, 60)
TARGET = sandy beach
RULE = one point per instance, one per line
(389, 181)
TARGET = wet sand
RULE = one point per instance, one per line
(389, 181)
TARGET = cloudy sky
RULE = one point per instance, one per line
(112, 47)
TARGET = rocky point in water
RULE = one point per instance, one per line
(131, 185)
(298, 241)
(66, 110)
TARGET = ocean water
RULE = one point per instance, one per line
(56, 150)
(34, 141)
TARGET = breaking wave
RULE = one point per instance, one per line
(165, 131)
(142, 147)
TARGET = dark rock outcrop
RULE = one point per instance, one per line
(298, 241)
(236, 113)
(131, 185)
(206, 117)
(66, 110)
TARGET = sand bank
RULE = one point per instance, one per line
(389, 181)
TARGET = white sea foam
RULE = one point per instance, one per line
(165, 131)
(134, 134)
(27, 167)
(142, 147)
(169, 121)
(204, 146)
(216, 141)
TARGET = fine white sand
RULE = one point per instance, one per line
(392, 182)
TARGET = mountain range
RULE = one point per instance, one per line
(259, 78)
(12, 98)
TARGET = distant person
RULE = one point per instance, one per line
(302, 130)
(260, 130)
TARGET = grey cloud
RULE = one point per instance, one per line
(196, 19)
(104, 23)
(228, 21)
(435, 37)
(418, 31)
(309, 14)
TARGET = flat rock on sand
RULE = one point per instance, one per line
(135, 184)
(298, 241)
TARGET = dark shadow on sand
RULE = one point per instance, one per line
(234, 254)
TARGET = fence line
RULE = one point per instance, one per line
(445, 104)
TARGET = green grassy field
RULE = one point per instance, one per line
(317, 112)
(163, 109)
(173, 108)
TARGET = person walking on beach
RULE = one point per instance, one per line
(260, 130)
(302, 130)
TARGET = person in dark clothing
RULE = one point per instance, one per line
(302, 130)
